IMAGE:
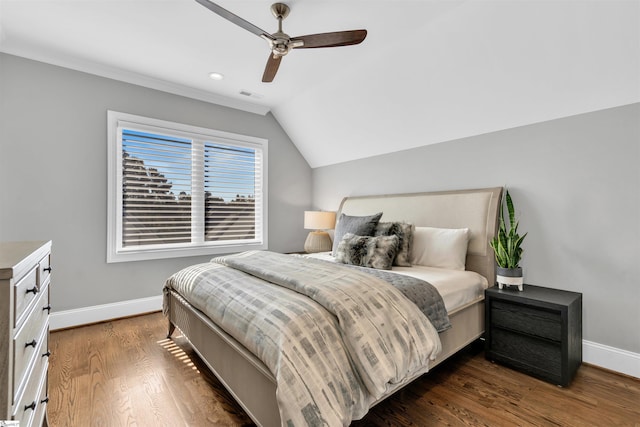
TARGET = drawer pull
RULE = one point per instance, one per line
(35, 290)
(33, 343)
(45, 400)
(48, 308)
(32, 406)
(47, 269)
(47, 354)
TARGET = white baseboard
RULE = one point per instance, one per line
(604, 356)
(104, 312)
(611, 358)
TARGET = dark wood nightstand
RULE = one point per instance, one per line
(537, 331)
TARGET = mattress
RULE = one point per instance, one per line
(457, 288)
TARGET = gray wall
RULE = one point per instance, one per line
(575, 182)
(53, 174)
(576, 186)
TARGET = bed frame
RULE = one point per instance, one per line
(249, 380)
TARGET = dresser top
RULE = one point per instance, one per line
(15, 256)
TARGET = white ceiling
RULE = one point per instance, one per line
(429, 71)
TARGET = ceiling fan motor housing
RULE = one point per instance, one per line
(280, 46)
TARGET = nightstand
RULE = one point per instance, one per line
(537, 331)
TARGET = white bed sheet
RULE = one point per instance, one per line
(458, 288)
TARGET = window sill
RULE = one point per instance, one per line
(151, 254)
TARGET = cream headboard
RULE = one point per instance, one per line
(477, 210)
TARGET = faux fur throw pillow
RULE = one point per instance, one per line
(358, 225)
(367, 251)
(404, 231)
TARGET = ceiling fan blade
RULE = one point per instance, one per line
(273, 63)
(235, 19)
(338, 38)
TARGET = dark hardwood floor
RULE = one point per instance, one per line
(126, 373)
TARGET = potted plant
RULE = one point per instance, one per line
(506, 246)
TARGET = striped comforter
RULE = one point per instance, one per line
(336, 339)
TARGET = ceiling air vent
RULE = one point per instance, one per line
(250, 94)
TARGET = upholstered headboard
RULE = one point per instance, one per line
(477, 210)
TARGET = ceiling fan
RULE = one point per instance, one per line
(282, 43)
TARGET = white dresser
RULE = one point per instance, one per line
(25, 276)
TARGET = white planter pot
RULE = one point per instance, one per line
(510, 277)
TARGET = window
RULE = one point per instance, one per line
(179, 190)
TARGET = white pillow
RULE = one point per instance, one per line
(440, 247)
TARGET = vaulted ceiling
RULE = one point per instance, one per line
(429, 71)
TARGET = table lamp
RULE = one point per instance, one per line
(318, 240)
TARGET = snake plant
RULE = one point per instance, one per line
(506, 244)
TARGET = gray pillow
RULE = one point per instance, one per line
(404, 231)
(367, 251)
(358, 225)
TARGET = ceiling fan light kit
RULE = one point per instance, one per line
(281, 43)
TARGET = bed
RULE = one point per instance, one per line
(252, 383)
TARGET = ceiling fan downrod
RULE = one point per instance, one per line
(281, 45)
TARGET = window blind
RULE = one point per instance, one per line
(231, 187)
(180, 190)
(156, 189)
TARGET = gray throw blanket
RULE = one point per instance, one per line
(336, 339)
(421, 293)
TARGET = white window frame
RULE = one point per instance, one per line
(115, 250)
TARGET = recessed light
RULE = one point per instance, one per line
(216, 76)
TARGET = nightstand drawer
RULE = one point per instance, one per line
(529, 320)
(527, 352)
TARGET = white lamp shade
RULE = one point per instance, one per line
(319, 220)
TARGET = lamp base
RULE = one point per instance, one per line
(317, 241)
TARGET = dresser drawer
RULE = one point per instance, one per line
(44, 271)
(529, 320)
(33, 401)
(43, 401)
(25, 291)
(28, 342)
